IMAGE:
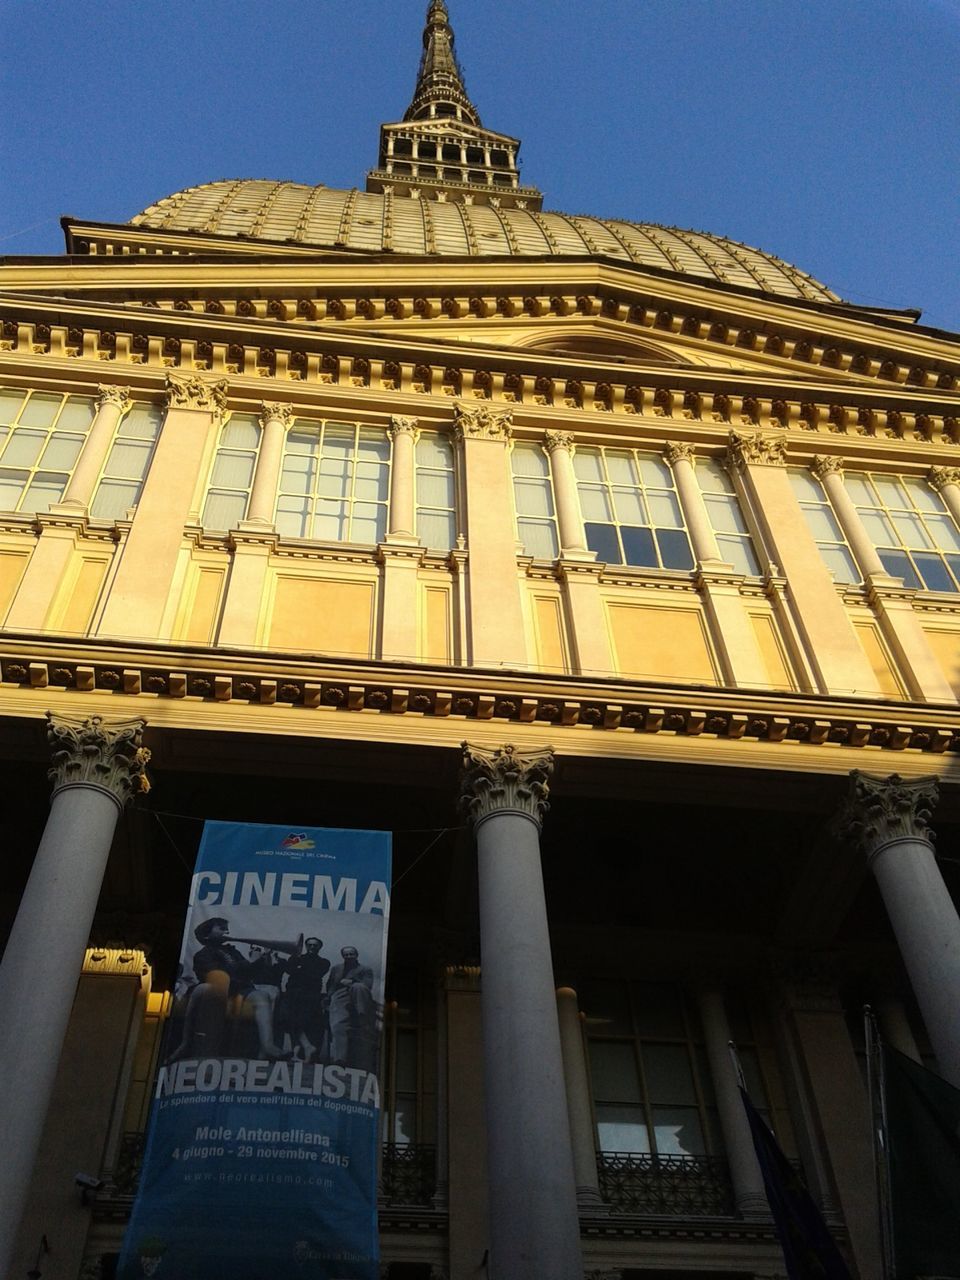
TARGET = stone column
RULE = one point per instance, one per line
(275, 420)
(889, 819)
(830, 643)
(111, 404)
(734, 634)
(748, 1192)
(559, 446)
(891, 600)
(534, 1230)
(96, 768)
(946, 481)
(404, 432)
(578, 1102)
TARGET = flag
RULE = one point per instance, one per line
(808, 1248)
(922, 1116)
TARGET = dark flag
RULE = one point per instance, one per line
(922, 1115)
(808, 1247)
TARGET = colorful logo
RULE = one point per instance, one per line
(297, 840)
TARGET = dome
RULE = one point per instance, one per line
(323, 217)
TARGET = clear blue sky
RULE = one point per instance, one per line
(826, 131)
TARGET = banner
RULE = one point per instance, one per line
(261, 1156)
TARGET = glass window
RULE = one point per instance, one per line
(436, 494)
(334, 482)
(127, 463)
(915, 536)
(726, 518)
(533, 498)
(823, 525)
(651, 1090)
(41, 435)
(231, 477)
(630, 509)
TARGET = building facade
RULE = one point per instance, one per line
(614, 568)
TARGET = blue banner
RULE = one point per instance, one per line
(261, 1158)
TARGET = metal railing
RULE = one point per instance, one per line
(665, 1186)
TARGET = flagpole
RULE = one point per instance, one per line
(876, 1091)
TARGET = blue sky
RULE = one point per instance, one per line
(827, 131)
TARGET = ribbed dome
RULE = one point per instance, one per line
(323, 217)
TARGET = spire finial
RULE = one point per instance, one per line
(440, 80)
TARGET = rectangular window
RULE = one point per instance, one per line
(41, 435)
(127, 463)
(823, 525)
(915, 536)
(436, 492)
(726, 518)
(231, 478)
(533, 499)
(334, 482)
(630, 509)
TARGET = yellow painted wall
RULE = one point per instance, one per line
(946, 647)
(661, 642)
(72, 613)
(773, 651)
(12, 565)
(326, 615)
(435, 624)
(880, 660)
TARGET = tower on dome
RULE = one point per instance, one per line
(440, 150)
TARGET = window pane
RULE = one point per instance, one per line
(40, 411)
(338, 442)
(241, 432)
(713, 477)
(586, 464)
(677, 1131)
(602, 538)
(330, 521)
(371, 483)
(840, 563)
(436, 530)
(303, 441)
(404, 1122)
(233, 470)
(114, 498)
(860, 490)
(368, 523)
(533, 498)
(129, 458)
(665, 510)
(654, 472)
(620, 469)
(944, 532)
(725, 515)
(142, 421)
(11, 486)
(435, 488)
(292, 513)
(76, 415)
(805, 487)
(668, 1074)
(911, 531)
(622, 1129)
(630, 506)
(674, 548)
(62, 451)
(638, 547)
(822, 524)
(539, 539)
(23, 448)
(921, 495)
(224, 510)
(891, 492)
(739, 553)
(46, 487)
(898, 564)
(298, 472)
(373, 446)
(434, 450)
(933, 571)
(10, 402)
(613, 1070)
(594, 503)
(530, 460)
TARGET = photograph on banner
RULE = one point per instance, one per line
(262, 1147)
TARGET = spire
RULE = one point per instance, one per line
(440, 150)
(440, 79)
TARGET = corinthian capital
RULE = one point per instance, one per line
(675, 451)
(96, 753)
(482, 422)
(191, 391)
(505, 779)
(282, 413)
(825, 465)
(400, 425)
(558, 440)
(940, 476)
(119, 396)
(750, 449)
(880, 810)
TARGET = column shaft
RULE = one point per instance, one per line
(864, 552)
(578, 1101)
(559, 445)
(403, 510)
(110, 407)
(745, 1174)
(534, 1229)
(702, 537)
(274, 421)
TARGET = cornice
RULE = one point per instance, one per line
(36, 674)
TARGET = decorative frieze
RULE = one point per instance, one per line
(753, 449)
(505, 779)
(87, 750)
(191, 391)
(880, 810)
(482, 422)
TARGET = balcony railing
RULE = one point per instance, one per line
(408, 1174)
(667, 1186)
